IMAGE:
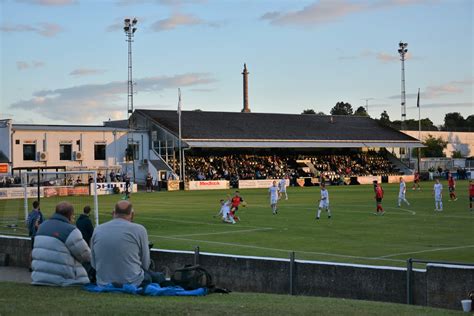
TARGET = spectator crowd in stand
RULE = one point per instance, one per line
(332, 167)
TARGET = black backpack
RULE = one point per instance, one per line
(192, 277)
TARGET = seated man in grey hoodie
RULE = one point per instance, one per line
(120, 251)
(59, 251)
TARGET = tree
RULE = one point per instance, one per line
(427, 125)
(457, 154)
(342, 108)
(454, 121)
(320, 113)
(412, 125)
(470, 123)
(384, 118)
(308, 111)
(434, 147)
(361, 111)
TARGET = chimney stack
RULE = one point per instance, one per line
(245, 73)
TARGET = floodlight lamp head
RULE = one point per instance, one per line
(134, 21)
(127, 20)
(134, 29)
(406, 50)
(126, 28)
(400, 44)
(405, 44)
(399, 51)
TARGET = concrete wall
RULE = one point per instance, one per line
(457, 141)
(18, 250)
(439, 286)
(447, 285)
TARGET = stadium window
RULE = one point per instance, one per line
(99, 152)
(29, 152)
(65, 152)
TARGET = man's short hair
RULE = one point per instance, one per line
(87, 209)
(123, 207)
(36, 204)
(65, 209)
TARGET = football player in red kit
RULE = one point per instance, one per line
(236, 200)
(378, 198)
(452, 187)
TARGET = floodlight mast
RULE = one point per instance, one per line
(130, 29)
(402, 50)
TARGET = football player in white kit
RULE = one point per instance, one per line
(438, 195)
(324, 201)
(402, 193)
(282, 187)
(224, 212)
(273, 193)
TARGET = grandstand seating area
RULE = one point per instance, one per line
(252, 166)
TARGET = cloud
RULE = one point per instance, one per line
(44, 29)
(326, 11)
(162, 2)
(49, 2)
(433, 92)
(22, 65)
(203, 90)
(176, 20)
(87, 103)
(451, 106)
(86, 72)
(379, 56)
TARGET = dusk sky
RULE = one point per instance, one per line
(65, 61)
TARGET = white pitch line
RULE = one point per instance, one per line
(427, 250)
(196, 222)
(401, 209)
(277, 249)
(225, 232)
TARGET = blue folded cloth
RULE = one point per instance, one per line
(153, 289)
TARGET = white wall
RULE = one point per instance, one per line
(49, 141)
(457, 141)
(5, 132)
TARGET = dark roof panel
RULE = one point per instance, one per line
(3, 157)
(265, 126)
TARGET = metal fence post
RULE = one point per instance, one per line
(409, 272)
(292, 272)
(196, 255)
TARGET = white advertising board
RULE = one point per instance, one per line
(19, 193)
(108, 187)
(253, 184)
(208, 185)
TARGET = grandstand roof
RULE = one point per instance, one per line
(235, 129)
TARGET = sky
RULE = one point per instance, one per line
(65, 61)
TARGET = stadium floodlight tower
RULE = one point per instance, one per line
(130, 29)
(402, 50)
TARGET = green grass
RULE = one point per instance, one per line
(60, 301)
(183, 220)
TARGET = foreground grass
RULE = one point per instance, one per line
(22, 299)
(183, 220)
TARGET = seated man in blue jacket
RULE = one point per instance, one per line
(120, 251)
(59, 251)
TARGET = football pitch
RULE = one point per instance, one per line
(183, 220)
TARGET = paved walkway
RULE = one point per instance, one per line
(15, 274)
